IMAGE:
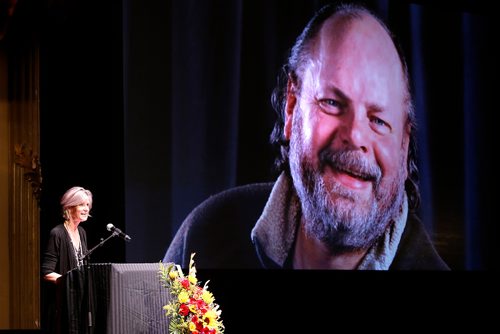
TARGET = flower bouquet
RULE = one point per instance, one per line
(191, 309)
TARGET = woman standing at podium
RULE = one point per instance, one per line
(66, 245)
(68, 241)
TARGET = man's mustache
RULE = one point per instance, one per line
(352, 163)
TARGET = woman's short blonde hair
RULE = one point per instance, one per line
(75, 196)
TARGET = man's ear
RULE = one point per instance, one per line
(291, 101)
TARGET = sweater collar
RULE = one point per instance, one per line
(275, 230)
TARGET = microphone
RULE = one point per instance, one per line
(117, 231)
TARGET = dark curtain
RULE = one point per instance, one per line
(198, 77)
(81, 114)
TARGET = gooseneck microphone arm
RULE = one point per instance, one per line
(87, 255)
(117, 231)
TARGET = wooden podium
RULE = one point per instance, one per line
(112, 298)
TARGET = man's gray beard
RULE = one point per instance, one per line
(342, 223)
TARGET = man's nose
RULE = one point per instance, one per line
(354, 132)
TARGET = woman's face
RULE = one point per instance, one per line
(81, 212)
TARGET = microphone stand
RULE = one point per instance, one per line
(85, 259)
(86, 256)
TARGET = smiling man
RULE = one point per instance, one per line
(346, 195)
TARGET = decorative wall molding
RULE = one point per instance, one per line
(30, 161)
(25, 177)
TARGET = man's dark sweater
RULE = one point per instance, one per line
(219, 232)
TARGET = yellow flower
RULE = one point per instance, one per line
(207, 297)
(192, 279)
(173, 274)
(192, 326)
(209, 318)
(183, 297)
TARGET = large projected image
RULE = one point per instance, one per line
(446, 159)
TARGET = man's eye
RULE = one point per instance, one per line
(330, 106)
(380, 125)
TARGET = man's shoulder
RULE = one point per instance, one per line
(416, 250)
(219, 228)
(234, 201)
(231, 212)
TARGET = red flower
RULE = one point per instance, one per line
(183, 310)
(199, 326)
(201, 304)
(185, 283)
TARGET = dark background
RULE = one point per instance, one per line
(155, 105)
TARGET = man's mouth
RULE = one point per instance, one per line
(351, 180)
(356, 174)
